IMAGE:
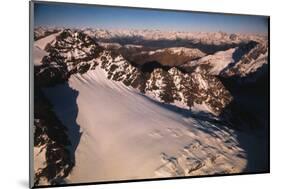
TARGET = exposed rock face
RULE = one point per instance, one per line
(70, 53)
(187, 89)
(76, 50)
(169, 86)
(50, 74)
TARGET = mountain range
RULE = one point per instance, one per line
(184, 78)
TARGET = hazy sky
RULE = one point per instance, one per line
(73, 15)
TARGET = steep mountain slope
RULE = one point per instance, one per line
(74, 52)
(42, 43)
(39, 46)
(138, 137)
(213, 64)
(250, 62)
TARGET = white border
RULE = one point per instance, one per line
(15, 88)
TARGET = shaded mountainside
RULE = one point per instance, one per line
(246, 92)
(50, 136)
(248, 112)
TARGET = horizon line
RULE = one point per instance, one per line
(151, 29)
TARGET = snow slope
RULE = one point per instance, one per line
(218, 61)
(38, 55)
(39, 48)
(42, 43)
(193, 52)
(126, 135)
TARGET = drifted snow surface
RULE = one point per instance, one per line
(42, 43)
(126, 135)
(218, 61)
(39, 48)
(38, 55)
